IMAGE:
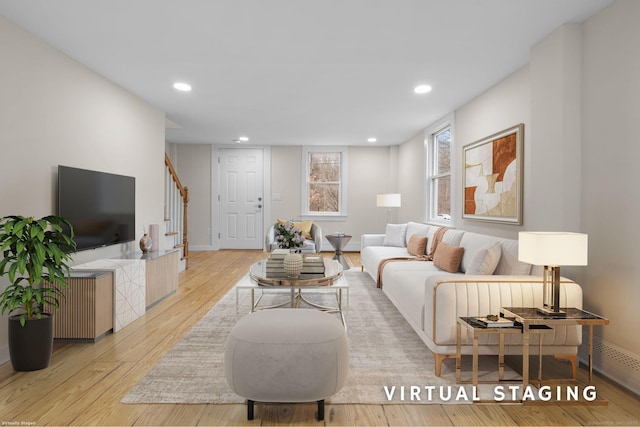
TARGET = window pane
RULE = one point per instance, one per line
(324, 167)
(443, 152)
(324, 198)
(443, 191)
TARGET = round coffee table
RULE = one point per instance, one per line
(332, 280)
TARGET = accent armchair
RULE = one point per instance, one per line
(310, 246)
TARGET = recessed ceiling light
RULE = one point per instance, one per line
(371, 140)
(236, 141)
(422, 89)
(181, 86)
(244, 138)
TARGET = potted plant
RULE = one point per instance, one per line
(35, 254)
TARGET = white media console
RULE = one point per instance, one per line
(138, 281)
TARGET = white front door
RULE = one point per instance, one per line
(241, 198)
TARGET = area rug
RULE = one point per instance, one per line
(387, 358)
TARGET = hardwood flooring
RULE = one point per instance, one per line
(85, 382)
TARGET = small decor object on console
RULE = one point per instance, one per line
(154, 234)
(293, 265)
(145, 243)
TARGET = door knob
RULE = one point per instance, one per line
(257, 206)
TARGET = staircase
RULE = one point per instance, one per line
(176, 199)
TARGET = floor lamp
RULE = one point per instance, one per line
(390, 200)
(552, 250)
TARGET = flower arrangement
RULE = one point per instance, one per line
(288, 236)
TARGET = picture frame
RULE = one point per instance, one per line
(492, 184)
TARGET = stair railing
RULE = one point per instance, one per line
(176, 205)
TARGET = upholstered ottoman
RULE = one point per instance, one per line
(287, 355)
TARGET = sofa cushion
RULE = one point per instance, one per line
(473, 243)
(485, 260)
(448, 257)
(453, 237)
(417, 245)
(395, 235)
(509, 263)
(406, 280)
(416, 228)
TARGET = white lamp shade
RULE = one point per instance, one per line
(552, 248)
(391, 200)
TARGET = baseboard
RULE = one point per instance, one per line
(612, 361)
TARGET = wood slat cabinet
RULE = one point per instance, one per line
(86, 311)
(161, 276)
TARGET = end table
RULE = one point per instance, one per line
(529, 317)
(476, 331)
(339, 241)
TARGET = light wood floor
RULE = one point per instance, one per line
(85, 382)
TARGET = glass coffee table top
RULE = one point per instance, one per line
(332, 272)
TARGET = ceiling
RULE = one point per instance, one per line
(299, 72)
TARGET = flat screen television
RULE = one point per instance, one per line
(100, 206)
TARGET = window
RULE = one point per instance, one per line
(324, 192)
(439, 174)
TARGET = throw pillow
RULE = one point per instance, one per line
(395, 235)
(303, 226)
(448, 257)
(486, 260)
(417, 245)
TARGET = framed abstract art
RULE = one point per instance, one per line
(492, 178)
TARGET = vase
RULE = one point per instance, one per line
(145, 243)
(293, 265)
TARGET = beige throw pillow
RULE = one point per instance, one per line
(417, 245)
(448, 257)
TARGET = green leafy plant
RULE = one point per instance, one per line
(35, 254)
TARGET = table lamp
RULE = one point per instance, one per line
(551, 250)
(390, 200)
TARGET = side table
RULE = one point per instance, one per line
(530, 318)
(339, 241)
(476, 331)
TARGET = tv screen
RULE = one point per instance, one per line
(100, 206)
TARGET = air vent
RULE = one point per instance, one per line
(612, 361)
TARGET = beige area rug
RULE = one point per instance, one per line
(384, 351)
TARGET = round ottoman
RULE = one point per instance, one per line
(287, 355)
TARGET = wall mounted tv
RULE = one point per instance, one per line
(100, 206)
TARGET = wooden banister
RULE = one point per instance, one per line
(184, 193)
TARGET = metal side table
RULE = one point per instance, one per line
(339, 241)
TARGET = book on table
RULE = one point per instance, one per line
(279, 253)
(500, 322)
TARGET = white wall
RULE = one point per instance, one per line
(370, 172)
(610, 195)
(411, 179)
(500, 107)
(56, 111)
(193, 164)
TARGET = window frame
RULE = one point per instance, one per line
(431, 175)
(342, 210)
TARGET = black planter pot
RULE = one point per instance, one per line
(30, 345)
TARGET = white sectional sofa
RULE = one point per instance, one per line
(432, 299)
